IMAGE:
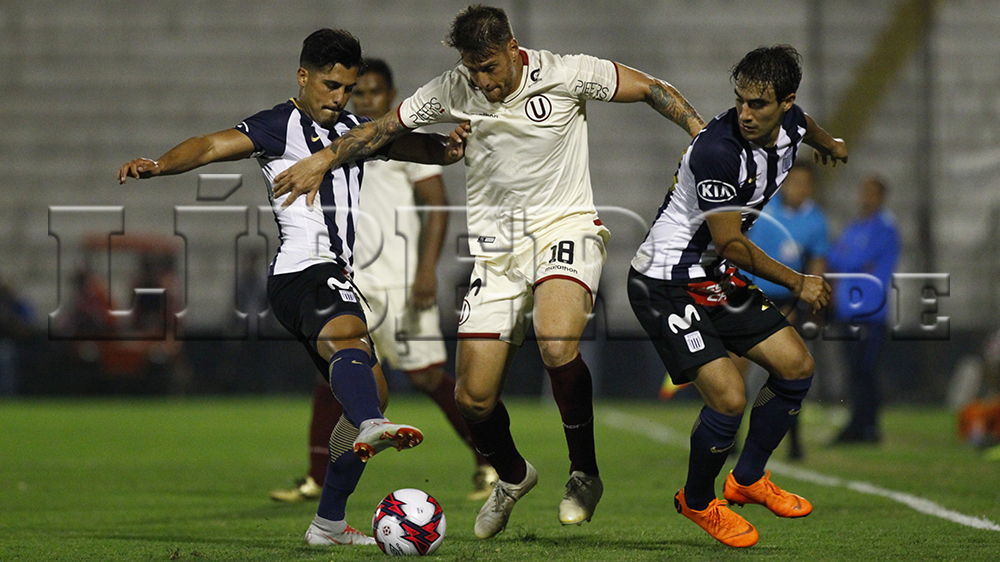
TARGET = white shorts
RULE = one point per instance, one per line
(501, 289)
(406, 339)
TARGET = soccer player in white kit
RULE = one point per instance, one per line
(538, 243)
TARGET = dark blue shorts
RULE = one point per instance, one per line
(305, 301)
(693, 324)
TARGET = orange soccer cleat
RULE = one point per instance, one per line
(719, 521)
(765, 493)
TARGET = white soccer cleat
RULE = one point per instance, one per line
(582, 494)
(349, 536)
(493, 516)
(375, 436)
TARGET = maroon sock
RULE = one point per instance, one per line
(573, 390)
(325, 413)
(494, 441)
(444, 397)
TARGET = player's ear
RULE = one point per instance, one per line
(513, 47)
(303, 76)
(786, 104)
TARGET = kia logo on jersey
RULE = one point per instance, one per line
(538, 108)
(715, 191)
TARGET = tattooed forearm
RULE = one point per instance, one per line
(667, 101)
(362, 141)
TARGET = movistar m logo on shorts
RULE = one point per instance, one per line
(678, 324)
(335, 284)
(345, 289)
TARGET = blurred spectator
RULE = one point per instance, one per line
(869, 245)
(793, 231)
(15, 326)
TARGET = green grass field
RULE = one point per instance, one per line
(188, 480)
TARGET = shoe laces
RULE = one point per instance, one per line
(771, 487)
(576, 484)
(500, 496)
(720, 516)
(352, 531)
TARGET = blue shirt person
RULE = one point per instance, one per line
(792, 230)
(868, 246)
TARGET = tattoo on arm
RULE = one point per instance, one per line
(362, 141)
(667, 101)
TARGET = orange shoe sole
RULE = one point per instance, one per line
(405, 438)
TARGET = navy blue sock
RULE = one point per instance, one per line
(713, 435)
(343, 471)
(353, 383)
(775, 410)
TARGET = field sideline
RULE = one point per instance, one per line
(188, 479)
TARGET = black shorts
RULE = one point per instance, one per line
(696, 323)
(305, 301)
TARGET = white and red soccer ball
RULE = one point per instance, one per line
(408, 522)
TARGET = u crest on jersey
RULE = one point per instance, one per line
(538, 108)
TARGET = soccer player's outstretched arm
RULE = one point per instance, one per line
(431, 148)
(733, 245)
(305, 176)
(827, 148)
(636, 86)
(229, 144)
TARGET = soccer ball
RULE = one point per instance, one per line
(408, 522)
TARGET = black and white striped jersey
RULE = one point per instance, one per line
(720, 170)
(281, 137)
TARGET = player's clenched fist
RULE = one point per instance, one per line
(815, 291)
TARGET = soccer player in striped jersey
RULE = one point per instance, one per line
(400, 284)
(538, 243)
(309, 284)
(696, 307)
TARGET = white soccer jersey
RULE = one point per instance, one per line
(281, 137)
(527, 161)
(719, 171)
(390, 227)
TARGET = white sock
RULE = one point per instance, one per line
(330, 527)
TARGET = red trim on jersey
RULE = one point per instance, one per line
(598, 222)
(478, 336)
(524, 56)
(400, 116)
(568, 278)
(618, 80)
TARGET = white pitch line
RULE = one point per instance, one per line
(668, 436)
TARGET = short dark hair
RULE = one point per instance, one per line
(380, 67)
(479, 31)
(779, 66)
(327, 47)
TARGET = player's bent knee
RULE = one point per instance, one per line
(557, 353)
(473, 408)
(728, 403)
(801, 368)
